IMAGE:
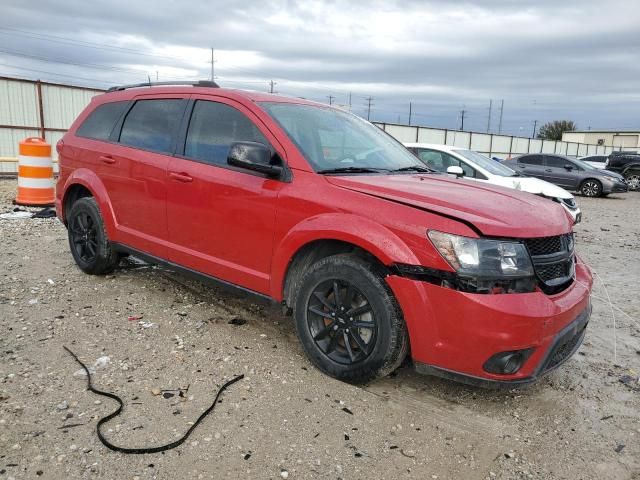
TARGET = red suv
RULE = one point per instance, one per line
(374, 254)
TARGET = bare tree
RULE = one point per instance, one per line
(554, 130)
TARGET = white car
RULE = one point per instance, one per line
(475, 166)
(598, 161)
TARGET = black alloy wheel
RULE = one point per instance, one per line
(348, 320)
(84, 232)
(88, 241)
(341, 322)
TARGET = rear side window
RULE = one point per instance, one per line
(99, 124)
(213, 128)
(531, 160)
(556, 162)
(153, 124)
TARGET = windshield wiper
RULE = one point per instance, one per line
(414, 168)
(354, 170)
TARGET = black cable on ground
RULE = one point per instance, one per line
(160, 448)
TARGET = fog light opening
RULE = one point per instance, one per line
(507, 363)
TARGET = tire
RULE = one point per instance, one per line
(88, 239)
(591, 188)
(370, 342)
(633, 180)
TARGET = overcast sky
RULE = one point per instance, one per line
(563, 59)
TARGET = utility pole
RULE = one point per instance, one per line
(213, 61)
(271, 85)
(535, 124)
(462, 112)
(330, 97)
(369, 99)
(157, 75)
(409, 113)
(489, 116)
(349, 101)
(501, 110)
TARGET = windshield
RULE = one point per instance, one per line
(492, 166)
(332, 139)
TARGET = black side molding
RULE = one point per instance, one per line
(195, 275)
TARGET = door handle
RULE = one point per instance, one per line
(108, 159)
(181, 177)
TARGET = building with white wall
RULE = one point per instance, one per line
(619, 140)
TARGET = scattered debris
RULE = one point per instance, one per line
(408, 453)
(63, 405)
(237, 321)
(619, 448)
(633, 382)
(284, 474)
(606, 417)
(346, 410)
(133, 318)
(156, 391)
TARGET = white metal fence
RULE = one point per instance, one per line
(31, 108)
(501, 146)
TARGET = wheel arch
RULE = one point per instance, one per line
(332, 234)
(85, 183)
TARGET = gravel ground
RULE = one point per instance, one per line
(285, 419)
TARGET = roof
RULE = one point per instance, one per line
(232, 93)
(611, 130)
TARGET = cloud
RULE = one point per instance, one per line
(547, 60)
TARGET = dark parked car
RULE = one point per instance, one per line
(569, 173)
(626, 164)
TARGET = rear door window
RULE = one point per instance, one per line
(213, 128)
(531, 160)
(153, 124)
(99, 124)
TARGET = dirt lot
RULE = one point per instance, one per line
(285, 419)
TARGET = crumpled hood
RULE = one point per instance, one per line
(534, 185)
(493, 210)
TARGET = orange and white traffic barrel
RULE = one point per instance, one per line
(35, 173)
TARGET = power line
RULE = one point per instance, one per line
(409, 113)
(501, 110)
(489, 116)
(81, 43)
(66, 62)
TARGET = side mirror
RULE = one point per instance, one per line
(568, 166)
(455, 170)
(253, 156)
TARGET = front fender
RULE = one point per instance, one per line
(372, 237)
(92, 182)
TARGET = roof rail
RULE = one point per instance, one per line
(198, 83)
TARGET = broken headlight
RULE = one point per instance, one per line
(496, 266)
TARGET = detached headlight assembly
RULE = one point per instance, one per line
(486, 266)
